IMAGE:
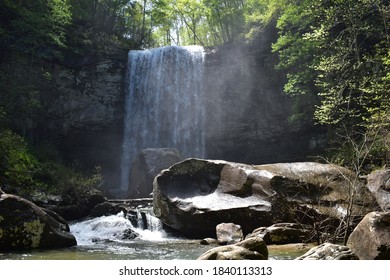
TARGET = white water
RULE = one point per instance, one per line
(111, 228)
(165, 103)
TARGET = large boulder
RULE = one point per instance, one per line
(371, 238)
(24, 225)
(329, 251)
(147, 165)
(195, 195)
(249, 249)
(378, 182)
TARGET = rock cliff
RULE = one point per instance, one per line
(79, 107)
(88, 114)
(247, 112)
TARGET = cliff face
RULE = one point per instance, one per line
(79, 111)
(90, 97)
(247, 111)
(88, 114)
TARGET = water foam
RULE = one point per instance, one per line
(111, 228)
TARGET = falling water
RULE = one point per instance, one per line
(111, 229)
(165, 106)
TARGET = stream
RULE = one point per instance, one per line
(102, 239)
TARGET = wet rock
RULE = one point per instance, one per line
(229, 233)
(283, 233)
(24, 225)
(129, 234)
(147, 165)
(378, 182)
(370, 240)
(107, 209)
(329, 251)
(209, 241)
(250, 249)
(209, 192)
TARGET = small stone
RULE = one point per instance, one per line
(129, 234)
(229, 233)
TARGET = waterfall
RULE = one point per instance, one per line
(111, 229)
(165, 106)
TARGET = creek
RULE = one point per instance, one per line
(102, 239)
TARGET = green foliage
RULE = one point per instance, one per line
(101, 26)
(71, 182)
(227, 18)
(298, 55)
(19, 169)
(54, 28)
(19, 99)
(35, 27)
(336, 57)
(350, 69)
(23, 172)
(202, 22)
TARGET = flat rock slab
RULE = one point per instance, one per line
(195, 195)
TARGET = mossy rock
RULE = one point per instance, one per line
(24, 225)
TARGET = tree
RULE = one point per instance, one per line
(34, 27)
(335, 53)
(190, 15)
(204, 22)
(100, 26)
(164, 22)
(351, 69)
(226, 17)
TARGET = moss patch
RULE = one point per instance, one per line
(34, 231)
